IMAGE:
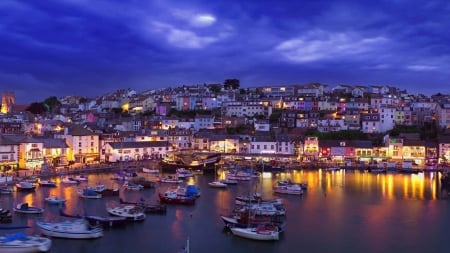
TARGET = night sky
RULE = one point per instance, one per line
(92, 47)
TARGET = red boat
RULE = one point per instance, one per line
(171, 197)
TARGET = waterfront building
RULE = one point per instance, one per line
(311, 148)
(444, 149)
(263, 143)
(9, 154)
(128, 151)
(84, 144)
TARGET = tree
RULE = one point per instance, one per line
(231, 84)
(215, 88)
(52, 103)
(36, 108)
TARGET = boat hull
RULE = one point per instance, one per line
(36, 244)
(251, 233)
(58, 231)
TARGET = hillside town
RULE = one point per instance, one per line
(294, 124)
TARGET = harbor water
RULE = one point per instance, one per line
(342, 211)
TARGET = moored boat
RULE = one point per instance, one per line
(25, 186)
(81, 178)
(260, 233)
(147, 208)
(292, 189)
(170, 179)
(22, 243)
(130, 212)
(151, 171)
(171, 197)
(46, 183)
(55, 200)
(128, 185)
(104, 221)
(69, 180)
(101, 188)
(88, 193)
(77, 229)
(26, 209)
(217, 184)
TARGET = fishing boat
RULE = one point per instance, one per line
(25, 186)
(89, 194)
(260, 233)
(76, 229)
(130, 212)
(46, 183)
(249, 219)
(172, 197)
(55, 200)
(22, 243)
(26, 209)
(104, 221)
(147, 208)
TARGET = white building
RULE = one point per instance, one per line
(83, 144)
(129, 151)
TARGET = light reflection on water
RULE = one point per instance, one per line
(342, 211)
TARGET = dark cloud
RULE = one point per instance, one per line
(90, 48)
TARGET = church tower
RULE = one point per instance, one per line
(8, 101)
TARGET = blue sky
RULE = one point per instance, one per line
(88, 48)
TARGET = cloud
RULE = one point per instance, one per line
(319, 45)
(203, 20)
(421, 67)
(184, 38)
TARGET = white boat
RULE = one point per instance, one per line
(151, 171)
(261, 233)
(170, 179)
(69, 180)
(22, 243)
(77, 229)
(81, 178)
(239, 175)
(183, 173)
(217, 184)
(25, 208)
(47, 183)
(132, 186)
(264, 209)
(131, 212)
(55, 200)
(25, 186)
(292, 189)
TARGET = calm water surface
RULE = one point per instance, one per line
(341, 212)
